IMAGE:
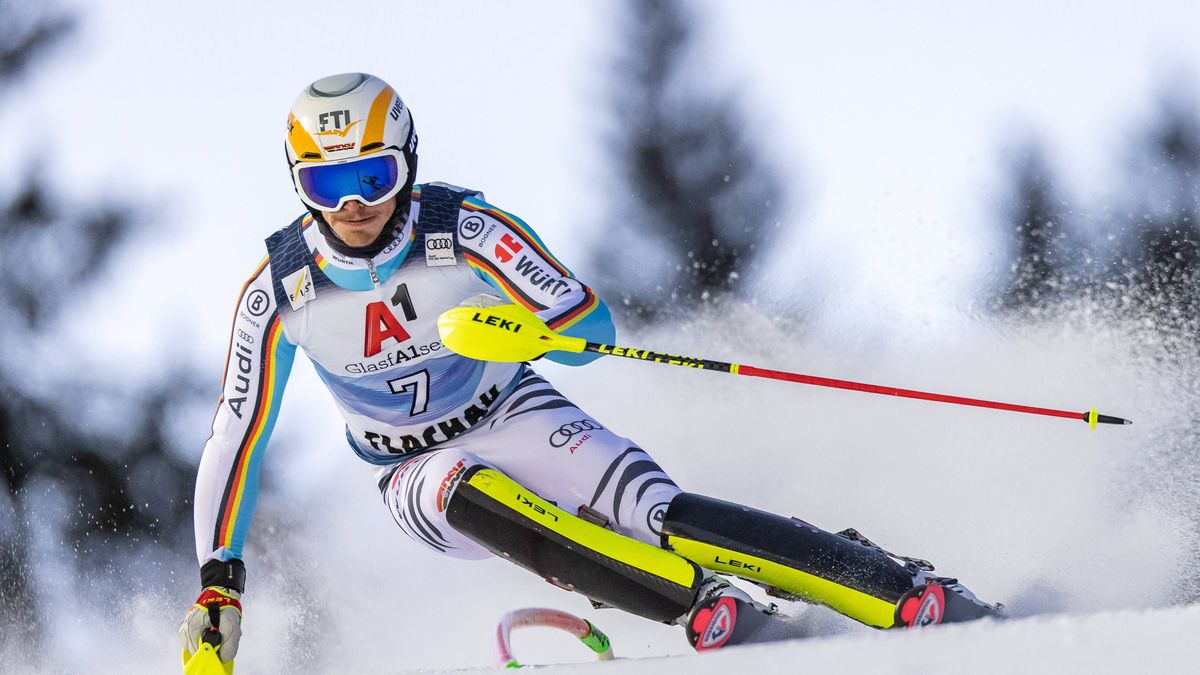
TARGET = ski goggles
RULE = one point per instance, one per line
(370, 179)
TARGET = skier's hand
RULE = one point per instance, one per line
(227, 604)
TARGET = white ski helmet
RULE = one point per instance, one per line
(349, 136)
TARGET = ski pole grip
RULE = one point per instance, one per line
(212, 636)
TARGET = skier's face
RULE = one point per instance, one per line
(358, 224)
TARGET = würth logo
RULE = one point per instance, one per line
(507, 248)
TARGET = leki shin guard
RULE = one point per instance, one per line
(513, 522)
(855, 579)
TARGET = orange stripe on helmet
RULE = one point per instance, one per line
(377, 119)
(301, 142)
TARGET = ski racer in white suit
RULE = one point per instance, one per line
(358, 283)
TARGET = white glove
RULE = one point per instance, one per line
(226, 604)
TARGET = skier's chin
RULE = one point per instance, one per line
(360, 225)
(359, 232)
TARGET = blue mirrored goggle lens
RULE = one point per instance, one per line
(369, 179)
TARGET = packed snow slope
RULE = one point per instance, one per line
(1116, 643)
(1080, 533)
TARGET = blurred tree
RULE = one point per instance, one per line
(698, 200)
(86, 462)
(1159, 263)
(1146, 265)
(1042, 272)
(1141, 270)
(28, 33)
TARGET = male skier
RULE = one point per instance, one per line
(472, 457)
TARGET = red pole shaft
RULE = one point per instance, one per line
(905, 393)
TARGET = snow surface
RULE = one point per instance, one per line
(1122, 642)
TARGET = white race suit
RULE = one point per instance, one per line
(417, 411)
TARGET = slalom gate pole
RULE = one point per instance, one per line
(583, 629)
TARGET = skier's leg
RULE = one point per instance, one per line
(515, 523)
(543, 441)
(451, 501)
(847, 573)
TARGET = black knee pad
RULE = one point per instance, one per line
(791, 555)
(513, 522)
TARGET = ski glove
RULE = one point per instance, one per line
(221, 603)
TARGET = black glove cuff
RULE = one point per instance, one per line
(227, 573)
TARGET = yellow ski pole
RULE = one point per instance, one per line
(206, 660)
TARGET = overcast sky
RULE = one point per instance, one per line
(887, 119)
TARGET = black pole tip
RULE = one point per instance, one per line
(1102, 419)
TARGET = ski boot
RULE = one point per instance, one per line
(725, 615)
(932, 599)
(942, 600)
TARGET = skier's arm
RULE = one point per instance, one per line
(509, 256)
(256, 370)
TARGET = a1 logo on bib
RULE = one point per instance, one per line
(439, 250)
(299, 287)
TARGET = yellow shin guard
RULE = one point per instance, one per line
(513, 522)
